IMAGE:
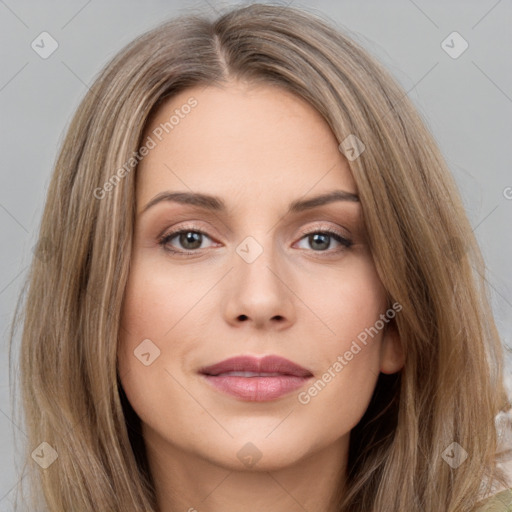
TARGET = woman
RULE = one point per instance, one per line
(254, 369)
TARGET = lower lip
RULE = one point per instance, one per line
(257, 389)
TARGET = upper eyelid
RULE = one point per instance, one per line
(303, 232)
(317, 226)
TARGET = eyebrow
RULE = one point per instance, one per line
(215, 203)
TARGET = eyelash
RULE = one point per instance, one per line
(166, 238)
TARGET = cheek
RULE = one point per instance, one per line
(350, 306)
(152, 310)
(347, 300)
(156, 299)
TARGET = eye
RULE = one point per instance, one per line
(321, 240)
(189, 238)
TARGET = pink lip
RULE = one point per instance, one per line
(256, 388)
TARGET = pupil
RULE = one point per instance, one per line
(314, 238)
(191, 237)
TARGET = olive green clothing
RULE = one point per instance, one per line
(501, 502)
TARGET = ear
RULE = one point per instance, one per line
(392, 357)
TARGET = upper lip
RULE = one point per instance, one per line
(266, 364)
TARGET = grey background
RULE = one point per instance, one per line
(466, 102)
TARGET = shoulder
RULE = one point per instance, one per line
(501, 502)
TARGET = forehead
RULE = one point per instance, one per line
(241, 139)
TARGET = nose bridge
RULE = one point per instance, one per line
(257, 260)
(257, 289)
(257, 248)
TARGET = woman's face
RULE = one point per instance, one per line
(249, 276)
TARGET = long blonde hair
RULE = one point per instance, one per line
(451, 386)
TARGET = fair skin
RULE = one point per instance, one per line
(259, 148)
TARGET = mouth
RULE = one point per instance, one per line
(256, 379)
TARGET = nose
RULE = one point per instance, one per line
(260, 290)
